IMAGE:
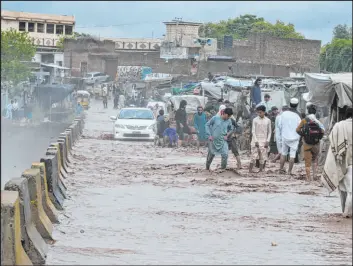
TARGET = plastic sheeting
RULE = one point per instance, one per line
(323, 87)
(192, 100)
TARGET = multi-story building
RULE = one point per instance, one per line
(45, 31)
(180, 41)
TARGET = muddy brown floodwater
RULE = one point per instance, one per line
(133, 203)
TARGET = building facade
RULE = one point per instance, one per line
(180, 42)
(45, 31)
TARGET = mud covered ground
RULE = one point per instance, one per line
(133, 203)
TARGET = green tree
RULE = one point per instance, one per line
(337, 56)
(16, 50)
(240, 28)
(279, 29)
(342, 32)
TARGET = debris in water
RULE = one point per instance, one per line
(273, 244)
(82, 231)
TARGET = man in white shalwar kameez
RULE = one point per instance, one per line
(290, 139)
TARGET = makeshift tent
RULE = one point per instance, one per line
(49, 94)
(193, 102)
(324, 87)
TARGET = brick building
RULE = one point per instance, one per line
(298, 55)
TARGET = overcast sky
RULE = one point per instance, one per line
(144, 19)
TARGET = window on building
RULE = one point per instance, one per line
(50, 28)
(59, 29)
(30, 27)
(60, 63)
(22, 26)
(40, 27)
(68, 30)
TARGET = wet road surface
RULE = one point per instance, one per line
(133, 203)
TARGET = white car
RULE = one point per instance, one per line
(134, 123)
(95, 77)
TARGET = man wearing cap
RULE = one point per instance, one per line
(267, 103)
(289, 138)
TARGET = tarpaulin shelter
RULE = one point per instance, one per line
(193, 102)
(334, 90)
(323, 88)
(49, 94)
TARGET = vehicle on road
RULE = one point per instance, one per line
(92, 78)
(134, 123)
(83, 97)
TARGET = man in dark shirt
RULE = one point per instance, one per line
(181, 121)
(255, 93)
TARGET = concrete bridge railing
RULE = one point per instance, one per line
(30, 204)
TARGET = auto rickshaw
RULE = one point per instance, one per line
(83, 97)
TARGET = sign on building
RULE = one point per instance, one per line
(228, 41)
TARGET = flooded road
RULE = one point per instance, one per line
(133, 203)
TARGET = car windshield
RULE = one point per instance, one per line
(136, 114)
(88, 75)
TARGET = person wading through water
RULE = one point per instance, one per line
(232, 140)
(181, 121)
(200, 121)
(261, 135)
(290, 139)
(312, 131)
(278, 134)
(217, 131)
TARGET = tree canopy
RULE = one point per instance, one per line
(342, 32)
(242, 26)
(16, 49)
(336, 56)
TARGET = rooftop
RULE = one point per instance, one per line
(26, 16)
(182, 23)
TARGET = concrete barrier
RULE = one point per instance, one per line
(29, 204)
(54, 149)
(51, 168)
(70, 139)
(61, 184)
(48, 206)
(12, 251)
(60, 149)
(64, 141)
(33, 243)
(73, 127)
(66, 136)
(40, 218)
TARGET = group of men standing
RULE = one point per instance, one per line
(289, 129)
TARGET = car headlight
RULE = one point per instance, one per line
(119, 126)
(151, 127)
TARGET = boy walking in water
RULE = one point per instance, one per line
(261, 135)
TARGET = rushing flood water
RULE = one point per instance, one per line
(132, 203)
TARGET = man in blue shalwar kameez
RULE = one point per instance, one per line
(200, 121)
(217, 131)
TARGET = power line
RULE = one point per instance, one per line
(118, 25)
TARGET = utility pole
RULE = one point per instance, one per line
(71, 62)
